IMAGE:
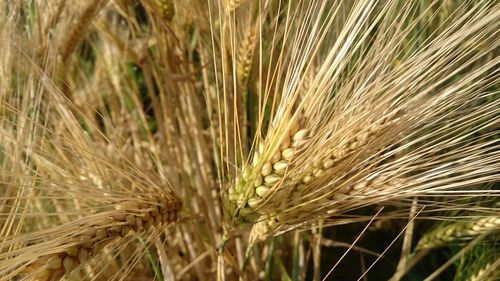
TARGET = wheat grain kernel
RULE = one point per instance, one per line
(246, 174)
(294, 127)
(256, 159)
(83, 255)
(354, 145)
(280, 167)
(68, 264)
(300, 135)
(288, 153)
(241, 201)
(254, 202)
(328, 163)
(276, 157)
(261, 148)
(266, 169)
(339, 154)
(119, 216)
(153, 210)
(257, 181)
(300, 187)
(245, 211)
(360, 185)
(53, 262)
(101, 234)
(271, 179)
(285, 143)
(72, 251)
(43, 275)
(307, 179)
(262, 191)
(138, 224)
(86, 241)
(130, 219)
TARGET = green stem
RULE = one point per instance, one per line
(152, 260)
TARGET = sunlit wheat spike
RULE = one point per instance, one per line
(68, 191)
(85, 238)
(460, 230)
(370, 133)
(65, 209)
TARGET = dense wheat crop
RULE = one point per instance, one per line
(249, 140)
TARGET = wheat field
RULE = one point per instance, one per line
(249, 140)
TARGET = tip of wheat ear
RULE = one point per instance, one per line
(129, 216)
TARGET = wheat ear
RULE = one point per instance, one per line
(264, 176)
(348, 195)
(444, 235)
(245, 54)
(78, 28)
(96, 231)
